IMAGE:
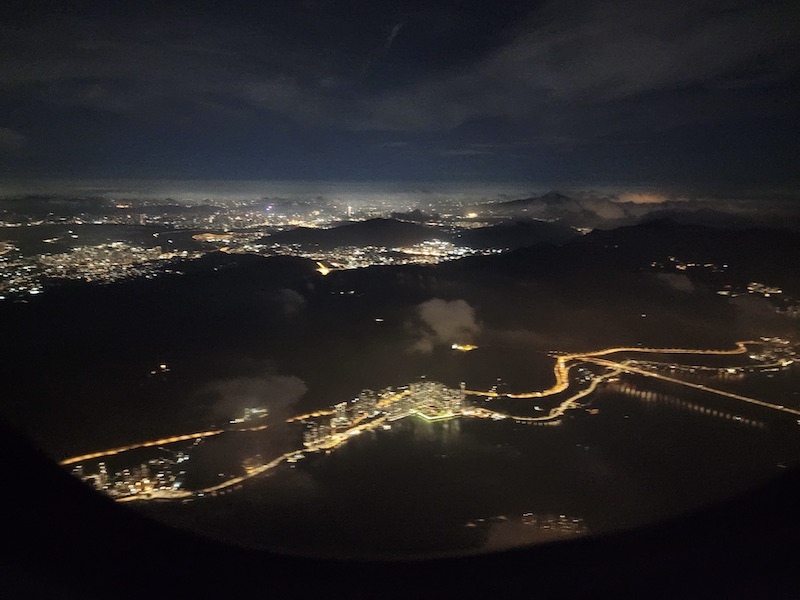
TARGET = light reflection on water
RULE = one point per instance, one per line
(469, 485)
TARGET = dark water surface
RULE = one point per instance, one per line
(468, 485)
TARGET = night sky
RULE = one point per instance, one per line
(701, 93)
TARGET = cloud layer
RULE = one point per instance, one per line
(513, 87)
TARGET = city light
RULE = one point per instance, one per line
(432, 401)
(463, 347)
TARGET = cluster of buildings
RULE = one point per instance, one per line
(558, 524)
(119, 260)
(771, 354)
(781, 302)
(754, 287)
(233, 227)
(676, 264)
(176, 216)
(346, 414)
(428, 399)
(357, 257)
(104, 262)
(763, 289)
(554, 525)
(101, 263)
(157, 476)
(775, 350)
(251, 413)
(789, 307)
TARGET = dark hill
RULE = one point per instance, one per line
(549, 199)
(392, 233)
(416, 216)
(710, 217)
(550, 207)
(518, 234)
(375, 232)
(754, 254)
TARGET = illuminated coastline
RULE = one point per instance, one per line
(326, 430)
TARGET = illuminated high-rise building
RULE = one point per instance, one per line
(340, 420)
(311, 434)
(102, 478)
(364, 404)
(462, 395)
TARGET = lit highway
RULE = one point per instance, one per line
(697, 386)
(561, 370)
(161, 442)
(330, 443)
(571, 402)
(316, 413)
(256, 428)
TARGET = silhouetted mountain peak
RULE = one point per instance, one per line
(373, 232)
(552, 198)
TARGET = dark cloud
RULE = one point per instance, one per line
(382, 51)
(542, 341)
(469, 151)
(443, 322)
(590, 53)
(277, 393)
(11, 140)
(558, 89)
(676, 281)
(757, 317)
(290, 302)
(596, 51)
